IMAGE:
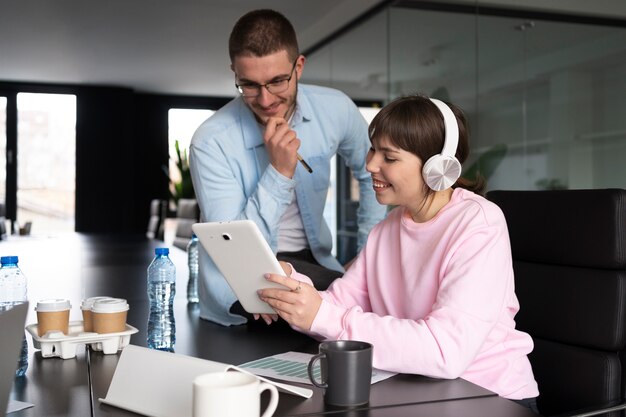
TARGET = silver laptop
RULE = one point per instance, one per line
(12, 324)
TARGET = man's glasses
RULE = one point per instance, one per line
(274, 87)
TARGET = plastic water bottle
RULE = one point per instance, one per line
(192, 261)
(12, 292)
(161, 291)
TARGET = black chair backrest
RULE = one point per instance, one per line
(158, 213)
(3, 228)
(569, 256)
(187, 213)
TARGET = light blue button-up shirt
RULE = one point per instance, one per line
(233, 180)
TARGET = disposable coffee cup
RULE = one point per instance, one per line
(53, 314)
(86, 306)
(109, 315)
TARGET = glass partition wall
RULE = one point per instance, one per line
(555, 101)
(544, 93)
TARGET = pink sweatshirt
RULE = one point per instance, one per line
(436, 298)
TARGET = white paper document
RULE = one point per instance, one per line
(160, 384)
(292, 366)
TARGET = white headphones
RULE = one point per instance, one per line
(441, 171)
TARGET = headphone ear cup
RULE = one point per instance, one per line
(440, 172)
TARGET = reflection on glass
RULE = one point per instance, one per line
(356, 63)
(46, 161)
(550, 95)
(544, 99)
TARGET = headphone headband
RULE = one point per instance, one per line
(451, 139)
(442, 170)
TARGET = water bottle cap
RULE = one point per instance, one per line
(58, 304)
(87, 303)
(110, 305)
(8, 260)
(161, 251)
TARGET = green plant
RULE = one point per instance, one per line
(550, 184)
(182, 188)
(486, 163)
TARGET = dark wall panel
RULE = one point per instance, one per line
(121, 150)
(105, 160)
(151, 139)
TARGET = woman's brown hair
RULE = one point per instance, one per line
(415, 124)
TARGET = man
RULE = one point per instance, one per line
(245, 159)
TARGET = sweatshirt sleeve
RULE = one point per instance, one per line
(475, 280)
(349, 291)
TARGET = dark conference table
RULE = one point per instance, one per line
(76, 266)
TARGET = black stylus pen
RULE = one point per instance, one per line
(304, 164)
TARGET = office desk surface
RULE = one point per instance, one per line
(79, 266)
(236, 345)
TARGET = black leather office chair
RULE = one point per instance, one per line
(569, 255)
(187, 213)
(3, 229)
(158, 213)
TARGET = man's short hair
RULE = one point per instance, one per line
(262, 32)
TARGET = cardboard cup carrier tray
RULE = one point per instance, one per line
(57, 344)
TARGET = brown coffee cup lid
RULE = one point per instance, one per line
(57, 304)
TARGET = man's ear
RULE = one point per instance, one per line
(300, 65)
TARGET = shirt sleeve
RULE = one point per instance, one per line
(472, 294)
(353, 149)
(221, 195)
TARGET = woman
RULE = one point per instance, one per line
(433, 288)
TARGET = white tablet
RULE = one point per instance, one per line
(243, 256)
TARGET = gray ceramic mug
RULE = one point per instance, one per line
(346, 372)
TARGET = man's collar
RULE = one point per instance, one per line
(302, 112)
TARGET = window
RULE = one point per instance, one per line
(46, 161)
(182, 125)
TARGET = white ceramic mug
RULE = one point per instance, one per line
(231, 394)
